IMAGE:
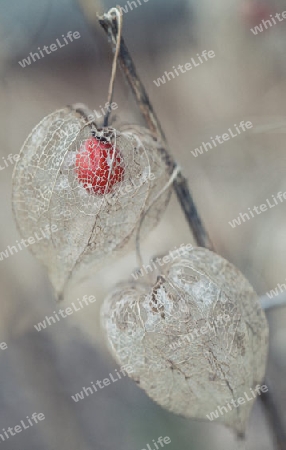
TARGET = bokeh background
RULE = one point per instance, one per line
(245, 81)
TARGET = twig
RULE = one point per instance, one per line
(274, 416)
(272, 303)
(180, 183)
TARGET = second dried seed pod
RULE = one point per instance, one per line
(197, 339)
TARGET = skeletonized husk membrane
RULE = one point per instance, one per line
(196, 339)
(90, 227)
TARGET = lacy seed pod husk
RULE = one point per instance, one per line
(197, 339)
(96, 210)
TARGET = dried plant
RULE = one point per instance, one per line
(71, 174)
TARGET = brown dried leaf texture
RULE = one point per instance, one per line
(146, 326)
(47, 191)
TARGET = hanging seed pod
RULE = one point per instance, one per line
(197, 339)
(92, 185)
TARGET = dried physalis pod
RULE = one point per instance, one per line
(87, 188)
(197, 339)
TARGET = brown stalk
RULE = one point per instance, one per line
(180, 183)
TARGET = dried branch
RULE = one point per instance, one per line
(180, 183)
(272, 303)
(274, 414)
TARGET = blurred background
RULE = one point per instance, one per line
(245, 81)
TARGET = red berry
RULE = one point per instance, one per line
(99, 166)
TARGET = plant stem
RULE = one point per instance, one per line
(272, 303)
(118, 15)
(180, 183)
(180, 186)
(274, 416)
